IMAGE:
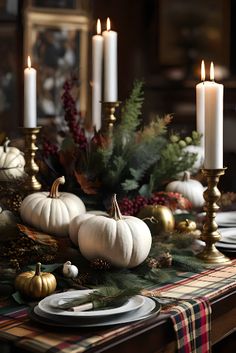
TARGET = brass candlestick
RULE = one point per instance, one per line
(210, 235)
(109, 109)
(31, 168)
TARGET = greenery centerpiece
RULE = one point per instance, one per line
(137, 160)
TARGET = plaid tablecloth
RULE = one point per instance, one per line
(17, 328)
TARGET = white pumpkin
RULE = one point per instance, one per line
(124, 241)
(189, 188)
(12, 162)
(69, 270)
(51, 212)
(199, 151)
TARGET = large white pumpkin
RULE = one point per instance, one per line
(12, 162)
(51, 212)
(189, 188)
(124, 241)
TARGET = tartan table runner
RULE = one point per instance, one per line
(17, 328)
(192, 325)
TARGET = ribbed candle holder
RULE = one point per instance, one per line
(31, 168)
(109, 109)
(210, 235)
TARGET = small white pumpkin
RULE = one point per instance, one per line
(69, 270)
(51, 212)
(124, 241)
(12, 162)
(189, 188)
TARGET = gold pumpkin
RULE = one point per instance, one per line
(36, 284)
(158, 218)
(186, 226)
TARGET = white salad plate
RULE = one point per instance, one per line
(49, 305)
(150, 308)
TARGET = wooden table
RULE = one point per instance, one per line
(156, 335)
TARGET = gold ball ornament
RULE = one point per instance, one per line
(36, 284)
(158, 218)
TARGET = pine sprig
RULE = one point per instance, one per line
(103, 297)
(187, 263)
(130, 115)
(173, 160)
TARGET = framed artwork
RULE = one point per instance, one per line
(9, 102)
(8, 10)
(186, 32)
(58, 45)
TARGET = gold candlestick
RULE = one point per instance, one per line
(31, 168)
(109, 109)
(210, 235)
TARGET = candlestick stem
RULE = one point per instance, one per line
(109, 109)
(31, 168)
(210, 234)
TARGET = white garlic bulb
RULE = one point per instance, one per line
(69, 270)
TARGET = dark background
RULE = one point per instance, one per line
(159, 41)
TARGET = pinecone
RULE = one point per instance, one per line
(152, 262)
(165, 260)
(14, 202)
(81, 280)
(100, 264)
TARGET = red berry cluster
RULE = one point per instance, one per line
(130, 207)
(71, 114)
(172, 200)
(49, 148)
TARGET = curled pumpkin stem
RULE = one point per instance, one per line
(115, 210)
(54, 194)
(5, 144)
(151, 219)
(38, 269)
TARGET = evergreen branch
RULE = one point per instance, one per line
(187, 263)
(155, 128)
(107, 296)
(130, 114)
(173, 161)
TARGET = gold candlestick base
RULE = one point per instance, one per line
(31, 168)
(109, 109)
(210, 235)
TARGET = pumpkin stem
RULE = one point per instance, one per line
(187, 222)
(38, 269)
(186, 176)
(115, 211)
(54, 194)
(5, 144)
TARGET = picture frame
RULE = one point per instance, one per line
(57, 42)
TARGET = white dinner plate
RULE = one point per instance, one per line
(149, 309)
(48, 305)
(228, 235)
(226, 219)
(220, 245)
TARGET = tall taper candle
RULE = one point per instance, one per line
(97, 56)
(110, 64)
(200, 105)
(213, 123)
(30, 110)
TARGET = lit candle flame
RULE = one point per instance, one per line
(212, 74)
(99, 30)
(203, 72)
(29, 62)
(108, 24)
